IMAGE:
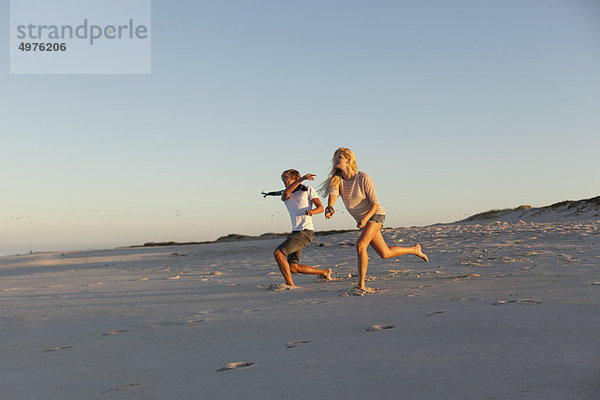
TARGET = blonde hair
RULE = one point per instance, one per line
(333, 180)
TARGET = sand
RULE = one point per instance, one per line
(502, 311)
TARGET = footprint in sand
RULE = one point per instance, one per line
(343, 278)
(435, 312)
(379, 327)
(236, 365)
(305, 302)
(420, 286)
(524, 301)
(470, 276)
(166, 324)
(194, 319)
(122, 387)
(186, 320)
(279, 287)
(291, 345)
(361, 292)
(115, 332)
(59, 348)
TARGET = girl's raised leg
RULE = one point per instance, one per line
(380, 246)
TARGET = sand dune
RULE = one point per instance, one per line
(580, 210)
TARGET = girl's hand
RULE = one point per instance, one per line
(362, 223)
(329, 211)
(309, 213)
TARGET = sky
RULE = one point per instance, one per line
(452, 107)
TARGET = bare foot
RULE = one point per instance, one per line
(327, 275)
(419, 253)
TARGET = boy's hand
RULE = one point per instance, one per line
(310, 177)
(309, 213)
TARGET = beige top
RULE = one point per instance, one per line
(358, 194)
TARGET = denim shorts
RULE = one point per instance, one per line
(379, 218)
(292, 247)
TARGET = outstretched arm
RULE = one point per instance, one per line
(277, 193)
(288, 190)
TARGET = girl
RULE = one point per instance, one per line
(360, 199)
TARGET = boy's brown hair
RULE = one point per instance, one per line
(292, 173)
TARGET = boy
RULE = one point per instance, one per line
(299, 200)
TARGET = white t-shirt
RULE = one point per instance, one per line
(297, 204)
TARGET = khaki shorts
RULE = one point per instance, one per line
(292, 247)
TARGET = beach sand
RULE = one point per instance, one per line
(502, 311)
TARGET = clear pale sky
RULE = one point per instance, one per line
(453, 108)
